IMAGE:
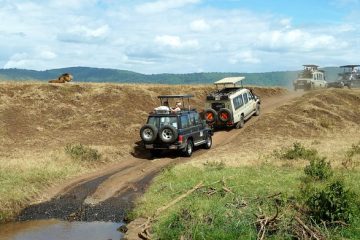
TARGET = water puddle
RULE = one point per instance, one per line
(60, 230)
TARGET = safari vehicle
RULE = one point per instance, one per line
(350, 76)
(180, 130)
(231, 104)
(310, 78)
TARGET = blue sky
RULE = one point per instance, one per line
(179, 36)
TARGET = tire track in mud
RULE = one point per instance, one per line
(109, 194)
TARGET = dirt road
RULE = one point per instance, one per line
(104, 195)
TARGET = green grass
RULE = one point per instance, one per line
(19, 183)
(224, 215)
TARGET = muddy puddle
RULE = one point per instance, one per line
(60, 230)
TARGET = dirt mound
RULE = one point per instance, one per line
(50, 116)
(313, 114)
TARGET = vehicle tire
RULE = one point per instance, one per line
(257, 113)
(208, 143)
(148, 133)
(188, 150)
(168, 134)
(241, 123)
(210, 115)
(224, 115)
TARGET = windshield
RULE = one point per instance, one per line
(162, 121)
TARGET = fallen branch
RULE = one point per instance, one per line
(159, 210)
(144, 233)
(308, 230)
(264, 223)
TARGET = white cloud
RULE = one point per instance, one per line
(176, 42)
(199, 25)
(163, 5)
(85, 34)
(297, 40)
(246, 56)
(47, 54)
(286, 23)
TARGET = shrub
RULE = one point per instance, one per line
(82, 153)
(318, 169)
(332, 203)
(349, 155)
(215, 165)
(298, 152)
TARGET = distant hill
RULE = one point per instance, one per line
(87, 74)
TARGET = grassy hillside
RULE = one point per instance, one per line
(300, 162)
(86, 74)
(43, 125)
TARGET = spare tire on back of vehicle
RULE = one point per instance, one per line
(224, 115)
(168, 134)
(210, 115)
(148, 133)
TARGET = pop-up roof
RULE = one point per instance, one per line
(233, 81)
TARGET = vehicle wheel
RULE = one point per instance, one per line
(208, 143)
(148, 133)
(168, 134)
(155, 152)
(257, 113)
(224, 115)
(210, 115)
(188, 150)
(241, 123)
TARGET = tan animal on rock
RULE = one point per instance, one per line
(64, 78)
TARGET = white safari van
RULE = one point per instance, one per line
(311, 78)
(231, 104)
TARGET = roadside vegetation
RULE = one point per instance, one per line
(314, 201)
(25, 178)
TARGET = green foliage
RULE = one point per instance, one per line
(82, 153)
(319, 169)
(349, 156)
(297, 152)
(216, 165)
(332, 203)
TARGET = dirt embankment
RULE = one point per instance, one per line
(328, 120)
(50, 116)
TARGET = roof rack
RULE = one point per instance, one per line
(165, 98)
(350, 66)
(176, 96)
(229, 81)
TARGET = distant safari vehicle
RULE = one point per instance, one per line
(310, 78)
(230, 105)
(350, 77)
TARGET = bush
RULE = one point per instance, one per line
(331, 204)
(349, 155)
(298, 152)
(318, 169)
(215, 165)
(82, 153)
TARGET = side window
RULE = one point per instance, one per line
(192, 119)
(238, 102)
(196, 118)
(184, 121)
(250, 96)
(245, 98)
